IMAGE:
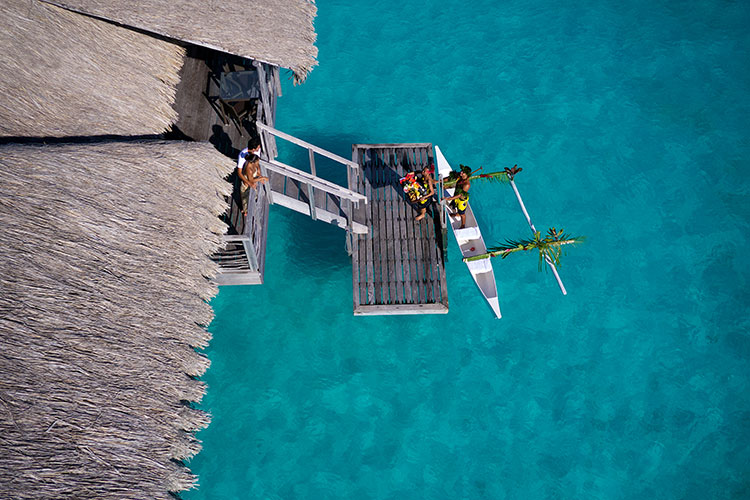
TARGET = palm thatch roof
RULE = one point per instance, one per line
(64, 74)
(104, 281)
(279, 32)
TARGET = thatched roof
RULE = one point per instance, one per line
(279, 32)
(64, 74)
(104, 257)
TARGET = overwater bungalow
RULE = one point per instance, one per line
(108, 229)
(104, 288)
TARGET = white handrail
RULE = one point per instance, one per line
(307, 145)
(317, 182)
(533, 229)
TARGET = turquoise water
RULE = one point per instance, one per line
(630, 120)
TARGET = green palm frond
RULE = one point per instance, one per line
(491, 177)
(550, 247)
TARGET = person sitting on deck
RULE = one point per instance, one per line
(460, 199)
(427, 190)
(419, 189)
(249, 172)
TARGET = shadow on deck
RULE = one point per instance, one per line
(398, 267)
(213, 108)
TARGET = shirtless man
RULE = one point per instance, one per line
(460, 200)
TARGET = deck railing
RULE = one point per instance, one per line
(349, 199)
(242, 260)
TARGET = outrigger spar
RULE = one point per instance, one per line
(511, 173)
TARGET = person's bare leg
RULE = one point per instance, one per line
(244, 196)
(422, 213)
(463, 221)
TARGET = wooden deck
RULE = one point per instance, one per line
(243, 260)
(197, 105)
(203, 117)
(398, 267)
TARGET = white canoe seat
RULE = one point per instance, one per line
(479, 266)
(468, 233)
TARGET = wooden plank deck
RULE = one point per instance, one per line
(398, 267)
(197, 106)
(200, 118)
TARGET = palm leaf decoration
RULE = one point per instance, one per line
(511, 172)
(502, 176)
(550, 247)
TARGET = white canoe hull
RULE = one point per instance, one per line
(471, 243)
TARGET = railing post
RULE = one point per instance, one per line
(350, 175)
(311, 201)
(312, 161)
(264, 152)
(252, 259)
(347, 206)
(263, 141)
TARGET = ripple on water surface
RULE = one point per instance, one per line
(630, 121)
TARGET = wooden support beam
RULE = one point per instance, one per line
(234, 238)
(276, 79)
(268, 115)
(226, 277)
(252, 259)
(323, 215)
(420, 145)
(330, 187)
(312, 161)
(399, 309)
(311, 201)
(264, 98)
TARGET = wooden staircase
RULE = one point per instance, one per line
(305, 192)
(242, 261)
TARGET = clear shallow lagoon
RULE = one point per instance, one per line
(631, 121)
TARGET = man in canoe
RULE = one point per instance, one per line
(460, 199)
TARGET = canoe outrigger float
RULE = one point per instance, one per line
(471, 243)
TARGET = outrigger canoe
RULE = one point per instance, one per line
(471, 243)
